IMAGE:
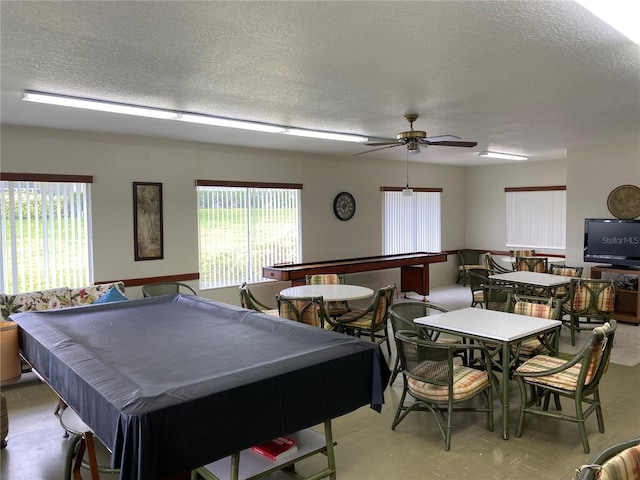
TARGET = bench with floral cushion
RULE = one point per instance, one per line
(63, 297)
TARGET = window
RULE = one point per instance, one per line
(536, 217)
(243, 227)
(46, 241)
(411, 223)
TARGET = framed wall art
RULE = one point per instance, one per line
(147, 221)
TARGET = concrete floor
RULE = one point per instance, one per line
(367, 448)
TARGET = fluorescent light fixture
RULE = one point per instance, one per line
(89, 104)
(114, 107)
(342, 137)
(623, 15)
(504, 156)
(225, 122)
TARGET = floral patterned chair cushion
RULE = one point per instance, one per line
(53, 298)
(88, 295)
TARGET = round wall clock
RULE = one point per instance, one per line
(344, 206)
(624, 202)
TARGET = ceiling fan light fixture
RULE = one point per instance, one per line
(504, 156)
(341, 137)
(98, 105)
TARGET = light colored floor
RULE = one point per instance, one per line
(367, 448)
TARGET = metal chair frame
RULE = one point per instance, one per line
(537, 403)
(165, 288)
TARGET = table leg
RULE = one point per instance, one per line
(506, 361)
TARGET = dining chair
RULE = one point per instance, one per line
(468, 258)
(477, 279)
(309, 310)
(437, 384)
(494, 267)
(562, 291)
(371, 321)
(337, 308)
(532, 264)
(616, 462)
(496, 295)
(166, 288)
(249, 301)
(577, 379)
(514, 254)
(401, 317)
(540, 307)
(590, 299)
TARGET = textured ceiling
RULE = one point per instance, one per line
(531, 77)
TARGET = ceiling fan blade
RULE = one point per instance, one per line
(442, 138)
(376, 149)
(453, 144)
(379, 144)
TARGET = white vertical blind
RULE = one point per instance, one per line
(411, 224)
(242, 229)
(536, 218)
(45, 235)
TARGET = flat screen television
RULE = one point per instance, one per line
(612, 241)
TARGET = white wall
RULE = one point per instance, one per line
(592, 173)
(473, 213)
(117, 161)
(485, 216)
(589, 173)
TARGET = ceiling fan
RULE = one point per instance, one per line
(414, 138)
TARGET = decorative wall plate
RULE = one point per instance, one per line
(344, 206)
(624, 202)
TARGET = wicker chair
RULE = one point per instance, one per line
(562, 291)
(250, 302)
(590, 299)
(541, 307)
(616, 462)
(521, 253)
(532, 264)
(577, 378)
(402, 315)
(309, 310)
(493, 266)
(467, 259)
(372, 321)
(334, 309)
(166, 288)
(477, 280)
(436, 384)
(496, 295)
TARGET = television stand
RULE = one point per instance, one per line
(627, 305)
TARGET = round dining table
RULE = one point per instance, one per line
(329, 292)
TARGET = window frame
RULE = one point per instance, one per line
(416, 247)
(8, 240)
(514, 238)
(249, 186)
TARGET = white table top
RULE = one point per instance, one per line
(490, 324)
(549, 259)
(330, 293)
(532, 278)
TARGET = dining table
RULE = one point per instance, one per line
(513, 260)
(329, 292)
(545, 281)
(505, 329)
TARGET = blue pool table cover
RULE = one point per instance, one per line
(172, 383)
